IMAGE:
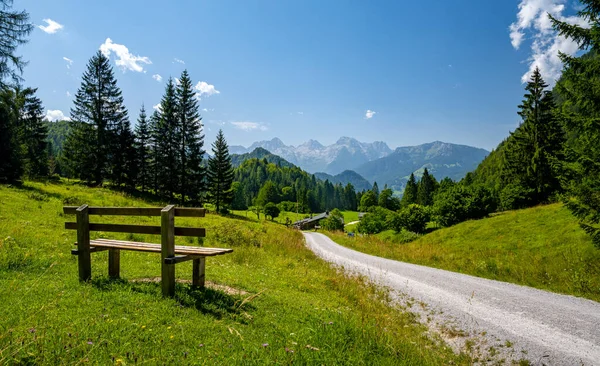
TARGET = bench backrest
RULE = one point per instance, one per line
(136, 211)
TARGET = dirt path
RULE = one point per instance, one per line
(506, 320)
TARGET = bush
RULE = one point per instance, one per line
(375, 221)
(515, 196)
(272, 210)
(287, 206)
(412, 218)
(335, 221)
(461, 203)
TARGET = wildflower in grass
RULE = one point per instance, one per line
(90, 342)
(265, 345)
(143, 327)
(289, 350)
(31, 330)
(172, 337)
(201, 345)
(330, 323)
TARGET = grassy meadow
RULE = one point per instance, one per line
(271, 301)
(541, 247)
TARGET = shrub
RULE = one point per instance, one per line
(412, 218)
(335, 221)
(515, 196)
(461, 203)
(272, 210)
(375, 221)
(287, 206)
(38, 197)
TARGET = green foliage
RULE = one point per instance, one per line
(220, 174)
(14, 28)
(271, 210)
(387, 200)
(268, 193)
(143, 152)
(239, 201)
(426, 189)
(335, 221)
(515, 196)
(375, 220)
(368, 200)
(579, 92)
(413, 218)
(410, 191)
(461, 203)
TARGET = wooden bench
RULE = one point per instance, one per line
(171, 254)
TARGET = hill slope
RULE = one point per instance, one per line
(259, 153)
(542, 247)
(270, 297)
(440, 158)
(345, 177)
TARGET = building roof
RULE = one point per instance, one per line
(318, 217)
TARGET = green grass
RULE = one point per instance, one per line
(542, 247)
(350, 216)
(294, 308)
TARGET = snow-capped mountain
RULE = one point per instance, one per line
(347, 153)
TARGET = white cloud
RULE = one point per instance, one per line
(52, 26)
(69, 62)
(206, 89)
(533, 18)
(156, 107)
(249, 126)
(56, 115)
(68, 94)
(369, 114)
(125, 59)
(157, 77)
(300, 113)
(178, 61)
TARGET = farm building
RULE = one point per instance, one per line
(311, 222)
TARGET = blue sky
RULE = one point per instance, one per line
(401, 72)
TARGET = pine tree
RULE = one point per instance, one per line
(220, 174)
(156, 135)
(580, 90)
(98, 104)
(375, 191)
(426, 189)
(14, 27)
(190, 141)
(535, 147)
(124, 161)
(143, 151)
(410, 191)
(11, 149)
(167, 148)
(35, 133)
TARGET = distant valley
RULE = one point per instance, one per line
(351, 161)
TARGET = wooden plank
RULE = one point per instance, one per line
(117, 211)
(92, 250)
(198, 269)
(180, 258)
(84, 260)
(118, 228)
(114, 262)
(136, 211)
(190, 212)
(139, 229)
(111, 242)
(190, 231)
(167, 242)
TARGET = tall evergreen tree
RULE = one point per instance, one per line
(410, 191)
(35, 133)
(143, 152)
(375, 190)
(167, 149)
(580, 90)
(99, 105)
(11, 148)
(124, 163)
(190, 141)
(426, 189)
(533, 150)
(14, 28)
(220, 174)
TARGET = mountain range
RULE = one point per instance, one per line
(351, 161)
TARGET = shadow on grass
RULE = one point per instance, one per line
(208, 301)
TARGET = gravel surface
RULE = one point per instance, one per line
(506, 321)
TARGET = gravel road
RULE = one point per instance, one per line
(517, 321)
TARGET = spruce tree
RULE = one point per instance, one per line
(14, 28)
(167, 144)
(580, 89)
(143, 152)
(426, 189)
(156, 135)
(11, 148)
(535, 147)
(35, 133)
(190, 141)
(220, 174)
(124, 162)
(410, 191)
(375, 190)
(99, 105)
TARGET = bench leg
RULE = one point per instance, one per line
(114, 263)
(198, 272)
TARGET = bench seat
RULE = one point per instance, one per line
(153, 248)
